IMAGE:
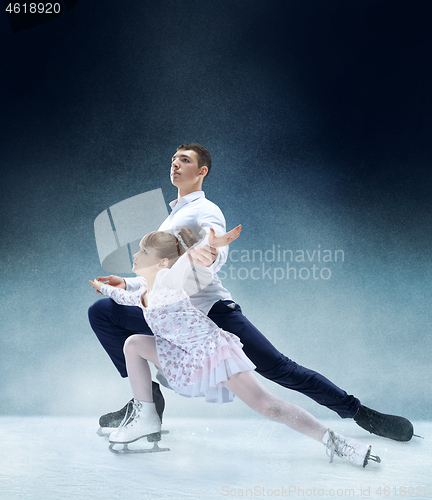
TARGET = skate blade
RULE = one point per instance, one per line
(126, 450)
(151, 438)
(106, 431)
(374, 458)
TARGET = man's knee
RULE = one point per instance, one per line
(282, 368)
(98, 309)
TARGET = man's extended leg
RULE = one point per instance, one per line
(275, 366)
(113, 324)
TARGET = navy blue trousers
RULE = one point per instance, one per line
(114, 323)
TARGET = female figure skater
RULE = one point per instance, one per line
(197, 358)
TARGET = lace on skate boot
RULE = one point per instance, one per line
(132, 408)
(109, 422)
(349, 449)
(134, 419)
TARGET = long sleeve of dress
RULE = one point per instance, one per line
(123, 297)
(134, 284)
(215, 220)
(184, 271)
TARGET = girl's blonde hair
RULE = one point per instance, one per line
(167, 245)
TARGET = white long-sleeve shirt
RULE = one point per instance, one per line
(198, 214)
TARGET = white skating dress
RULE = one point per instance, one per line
(194, 353)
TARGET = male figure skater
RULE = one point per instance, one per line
(114, 323)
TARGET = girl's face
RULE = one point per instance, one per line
(145, 258)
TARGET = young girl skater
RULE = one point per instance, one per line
(197, 358)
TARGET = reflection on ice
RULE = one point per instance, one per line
(63, 458)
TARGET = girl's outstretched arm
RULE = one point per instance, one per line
(176, 276)
(119, 295)
(204, 255)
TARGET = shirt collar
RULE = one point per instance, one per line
(189, 198)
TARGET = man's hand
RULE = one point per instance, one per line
(223, 240)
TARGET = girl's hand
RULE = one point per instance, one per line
(96, 284)
(223, 240)
(114, 281)
(206, 255)
(203, 256)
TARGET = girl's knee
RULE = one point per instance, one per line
(271, 407)
(140, 344)
(130, 344)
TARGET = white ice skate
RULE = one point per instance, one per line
(348, 449)
(143, 422)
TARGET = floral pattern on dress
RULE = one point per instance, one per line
(195, 355)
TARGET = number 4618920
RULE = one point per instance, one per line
(33, 8)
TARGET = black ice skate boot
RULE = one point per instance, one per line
(109, 423)
(389, 426)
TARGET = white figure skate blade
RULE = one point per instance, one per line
(135, 447)
(106, 431)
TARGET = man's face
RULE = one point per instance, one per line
(184, 169)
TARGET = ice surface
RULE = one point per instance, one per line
(56, 458)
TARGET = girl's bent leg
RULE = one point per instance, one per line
(254, 394)
(113, 324)
(137, 350)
